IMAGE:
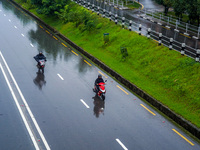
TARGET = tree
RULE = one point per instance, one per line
(37, 2)
(191, 9)
(166, 3)
(179, 7)
(49, 7)
(198, 11)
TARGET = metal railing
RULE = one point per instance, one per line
(149, 32)
(172, 21)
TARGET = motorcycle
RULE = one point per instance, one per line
(41, 65)
(102, 91)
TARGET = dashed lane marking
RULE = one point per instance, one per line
(31, 45)
(64, 45)
(55, 37)
(87, 63)
(122, 89)
(148, 109)
(102, 74)
(47, 32)
(183, 137)
(122, 145)
(60, 76)
(75, 53)
(84, 103)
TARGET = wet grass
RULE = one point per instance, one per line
(164, 74)
(132, 5)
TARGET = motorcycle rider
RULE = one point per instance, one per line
(39, 56)
(97, 81)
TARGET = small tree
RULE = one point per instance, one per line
(124, 52)
(166, 3)
(198, 11)
(191, 9)
(179, 7)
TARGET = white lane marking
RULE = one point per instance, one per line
(122, 145)
(20, 110)
(15, 27)
(31, 45)
(84, 103)
(9, 20)
(22, 35)
(60, 76)
(4, 14)
(26, 105)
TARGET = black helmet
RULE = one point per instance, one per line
(99, 76)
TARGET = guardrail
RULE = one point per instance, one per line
(149, 32)
(172, 21)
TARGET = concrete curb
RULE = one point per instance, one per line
(165, 110)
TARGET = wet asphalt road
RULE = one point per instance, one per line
(67, 113)
(150, 4)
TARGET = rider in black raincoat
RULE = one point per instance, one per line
(98, 80)
(39, 56)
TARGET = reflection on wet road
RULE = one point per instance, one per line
(66, 109)
(40, 80)
(150, 4)
(99, 106)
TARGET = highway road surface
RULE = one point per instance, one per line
(58, 110)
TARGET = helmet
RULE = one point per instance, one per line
(99, 76)
(40, 52)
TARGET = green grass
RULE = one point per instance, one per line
(132, 5)
(164, 74)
